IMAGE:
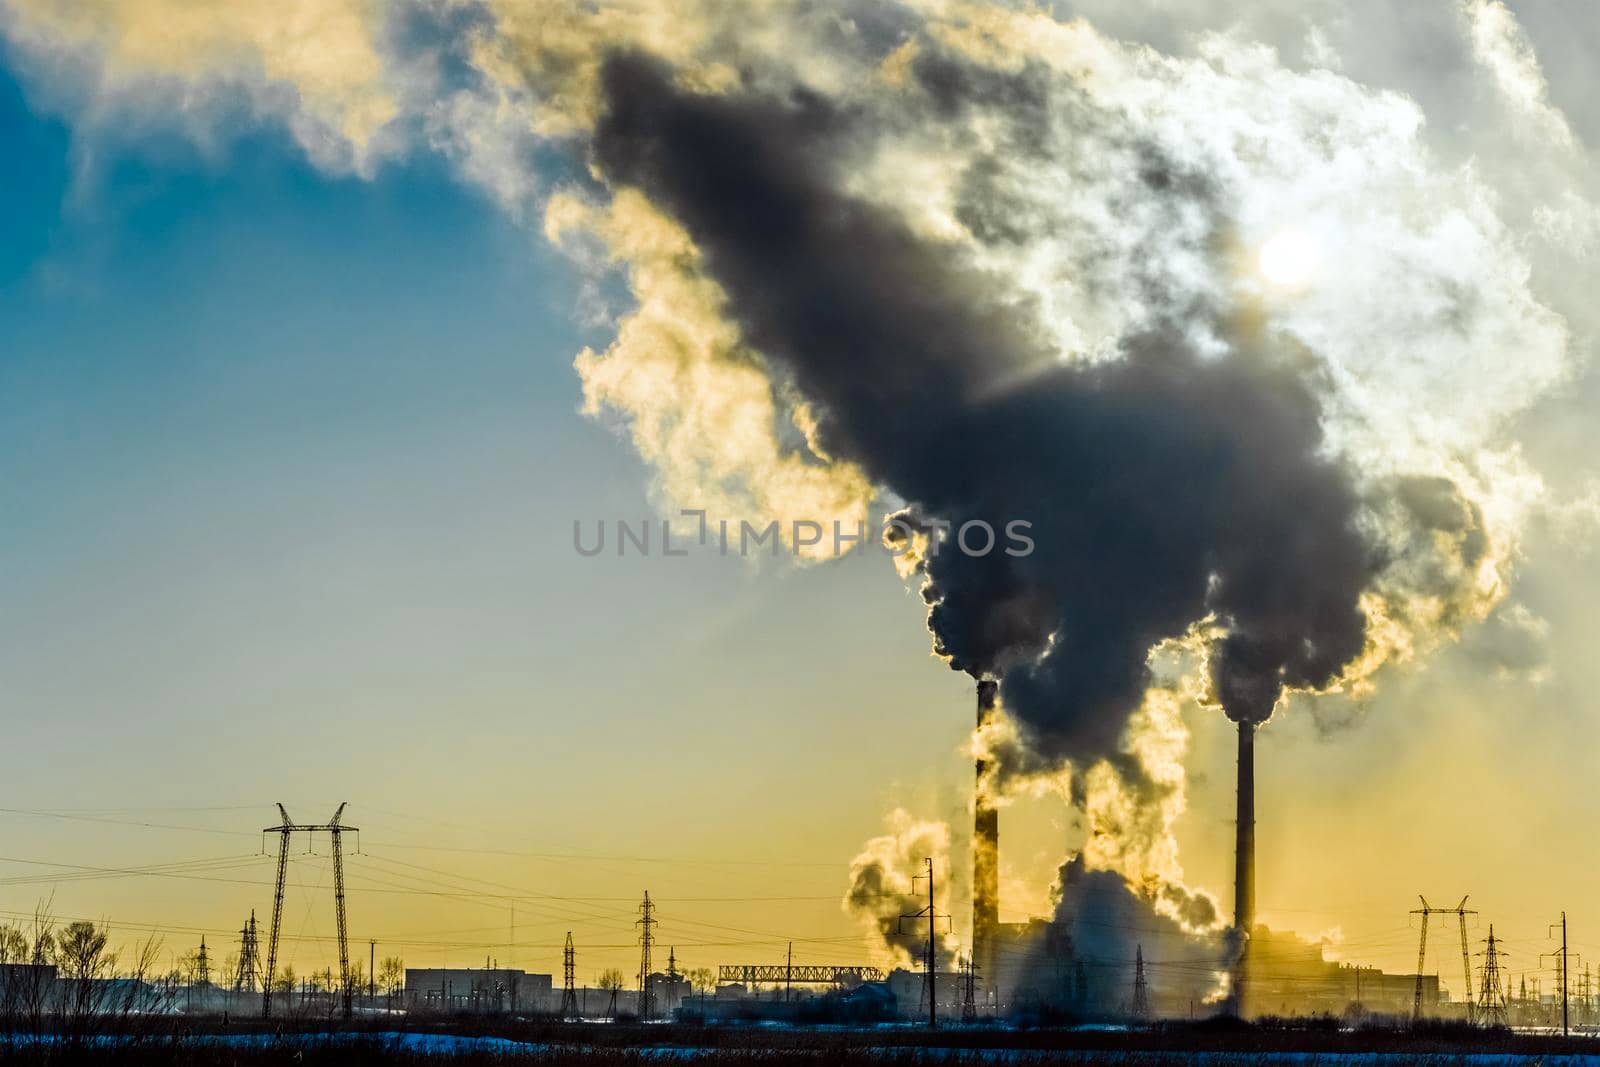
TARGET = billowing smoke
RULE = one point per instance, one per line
(886, 885)
(1163, 486)
(1063, 327)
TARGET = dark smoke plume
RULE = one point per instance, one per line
(1163, 486)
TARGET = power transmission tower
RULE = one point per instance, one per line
(202, 965)
(1562, 971)
(1460, 911)
(285, 830)
(569, 970)
(1491, 998)
(569, 985)
(931, 962)
(672, 976)
(645, 922)
(1141, 991)
(249, 964)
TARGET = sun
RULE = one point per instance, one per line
(1288, 259)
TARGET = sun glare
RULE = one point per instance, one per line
(1288, 259)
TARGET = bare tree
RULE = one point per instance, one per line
(31, 998)
(392, 976)
(13, 945)
(355, 982)
(611, 981)
(14, 953)
(85, 961)
(702, 979)
(140, 993)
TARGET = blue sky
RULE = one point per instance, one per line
(288, 465)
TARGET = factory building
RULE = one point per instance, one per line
(480, 990)
(669, 991)
(1289, 977)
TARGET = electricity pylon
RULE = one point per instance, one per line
(1460, 911)
(645, 922)
(569, 992)
(244, 980)
(1141, 989)
(202, 965)
(1491, 998)
(285, 830)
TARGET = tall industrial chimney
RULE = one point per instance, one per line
(985, 858)
(1244, 870)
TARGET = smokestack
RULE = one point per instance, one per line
(1244, 870)
(985, 857)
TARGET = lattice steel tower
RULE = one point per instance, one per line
(646, 923)
(569, 971)
(1460, 911)
(244, 980)
(285, 830)
(969, 992)
(1491, 998)
(1141, 990)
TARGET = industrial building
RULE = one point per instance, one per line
(478, 990)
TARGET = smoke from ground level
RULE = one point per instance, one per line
(1112, 925)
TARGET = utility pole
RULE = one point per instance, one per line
(1562, 973)
(372, 974)
(931, 964)
(933, 958)
(788, 974)
(1460, 911)
(646, 922)
(1141, 990)
(569, 970)
(285, 830)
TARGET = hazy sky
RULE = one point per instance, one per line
(290, 451)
